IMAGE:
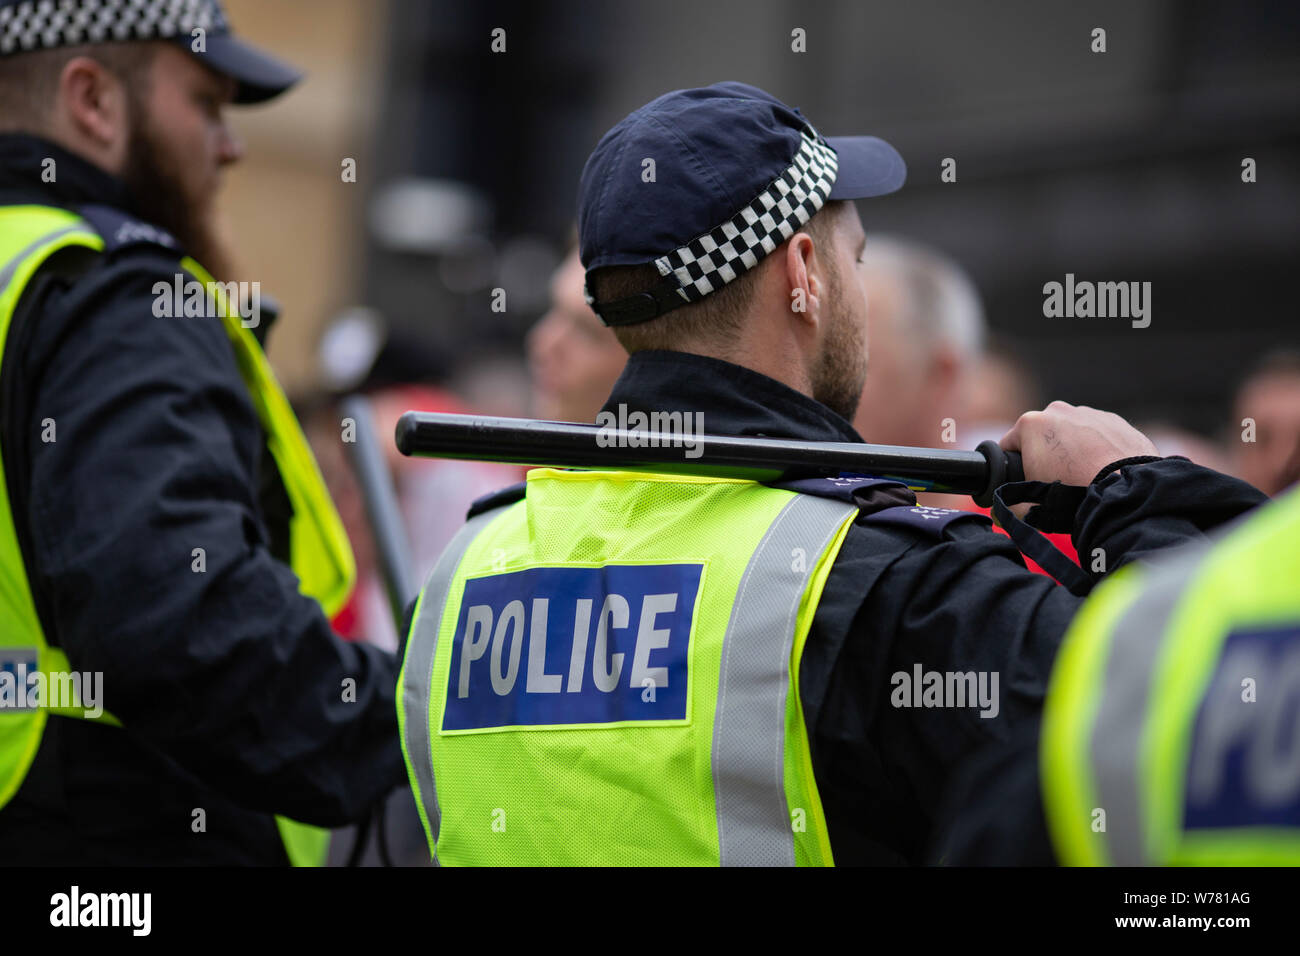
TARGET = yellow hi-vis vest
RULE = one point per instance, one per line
(321, 555)
(607, 673)
(1171, 729)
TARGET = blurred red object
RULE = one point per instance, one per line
(1061, 542)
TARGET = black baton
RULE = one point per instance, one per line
(522, 441)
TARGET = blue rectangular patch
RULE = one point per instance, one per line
(1242, 766)
(572, 645)
(19, 663)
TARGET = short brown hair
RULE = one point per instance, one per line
(29, 82)
(713, 320)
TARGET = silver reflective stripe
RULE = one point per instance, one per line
(754, 827)
(417, 672)
(1122, 712)
(7, 273)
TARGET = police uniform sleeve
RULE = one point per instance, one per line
(993, 813)
(154, 559)
(961, 603)
(1145, 508)
(908, 606)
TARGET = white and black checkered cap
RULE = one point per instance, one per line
(28, 25)
(713, 146)
(710, 261)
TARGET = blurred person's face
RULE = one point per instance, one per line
(574, 358)
(1273, 401)
(179, 144)
(910, 386)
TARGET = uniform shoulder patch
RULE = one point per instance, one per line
(930, 521)
(868, 492)
(120, 230)
(840, 487)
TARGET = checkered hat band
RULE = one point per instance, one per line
(708, 263)
(47, 24)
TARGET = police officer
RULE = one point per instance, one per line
(635, 668)
(170, 688)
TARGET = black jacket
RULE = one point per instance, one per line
(951, 596)
(229, 683)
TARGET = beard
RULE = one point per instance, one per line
(152, 177)
(842, 368)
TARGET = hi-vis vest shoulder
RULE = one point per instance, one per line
(607, 672)
(321, 555)
(1171, 730)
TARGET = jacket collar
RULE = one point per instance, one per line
(734, 400)
(24, 172)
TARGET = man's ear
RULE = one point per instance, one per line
(803, 276)
(945, 374)
(945, 365)
(92, 109)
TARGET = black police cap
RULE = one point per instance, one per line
(736, 173)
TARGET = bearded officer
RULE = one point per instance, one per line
(164, 531)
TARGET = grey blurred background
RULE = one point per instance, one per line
(1117, 166)
(1123, 166)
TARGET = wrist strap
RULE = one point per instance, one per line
(1057, 504)
(1055, 508)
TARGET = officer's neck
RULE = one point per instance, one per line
(768, 347)
(95, 139)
